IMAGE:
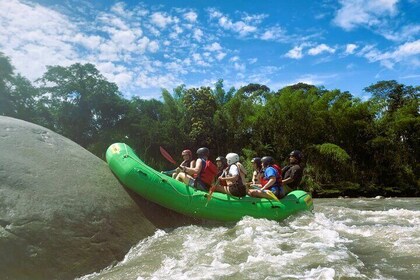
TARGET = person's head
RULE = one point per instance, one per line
(203, 152)
(221, 162)
(256, 163)
(295, 157)
(232, 158)
(267, 161)
(186, 154)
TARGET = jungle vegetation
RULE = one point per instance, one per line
(352, 147)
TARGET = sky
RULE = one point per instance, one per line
(144, 46)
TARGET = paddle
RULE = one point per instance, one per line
(211, 191)
(272, 195)
(166, 155)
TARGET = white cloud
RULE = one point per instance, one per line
(121, 43)
(234, 59)
(116, 73)
(153, 46)
(312, 79)
(275, 33)
(239, 67)
(119, 9)
(253, 60)
(125, 39)
(406, 50)
(198, 34)
(220, 56)
(142, 44)
(90, 42)
(320, 49)
(350, 48)
(242, 27)
(295, 53)
(407, 53)
(213, 47)
(199, 60)
(31, 32)
(146, 80)
(213, 13)
(408, 32)
(191, 16)
(355, 13)
(410, 77)
(161, 20)
(178, 29)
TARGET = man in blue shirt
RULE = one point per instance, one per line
(271, 182)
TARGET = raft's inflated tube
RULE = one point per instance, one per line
(175, 195)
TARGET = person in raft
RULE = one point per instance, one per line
(221, 164)
(270, 181)
(188, 161)
(231, 180)
(257, 172)
(293, 172)
(202, 175)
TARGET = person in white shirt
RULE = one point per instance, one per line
(232, 179)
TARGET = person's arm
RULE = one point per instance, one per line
(230, 178)
(232, 175)
(195, 170)
(292, 175)
(254, 177)
(287, 181)
(169, 172)
(269, 183)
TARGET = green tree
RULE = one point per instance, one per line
(17, 94)
(392, 94)
(395, 145)
(174, 120)
(200, 106)
(6, 78)
(291, 121)
(80, 100)
(142, 127)
(221, 96)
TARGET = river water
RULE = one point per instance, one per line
(341, 239)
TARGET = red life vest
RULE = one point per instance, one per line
(264, 181)
(208, 172)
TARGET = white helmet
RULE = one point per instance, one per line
(232, 158)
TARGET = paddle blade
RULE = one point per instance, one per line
(166, 155)
(272, 195)
(211, 191)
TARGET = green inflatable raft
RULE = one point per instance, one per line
(175, 195)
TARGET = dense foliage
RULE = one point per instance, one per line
(352, 147)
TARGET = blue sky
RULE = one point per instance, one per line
(144, 46)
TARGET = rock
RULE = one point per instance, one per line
(62, 212)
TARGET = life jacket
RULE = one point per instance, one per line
(208, 172)
(264, 181)
(242, 172)
(278, 168)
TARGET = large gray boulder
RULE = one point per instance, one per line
(62, 212)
